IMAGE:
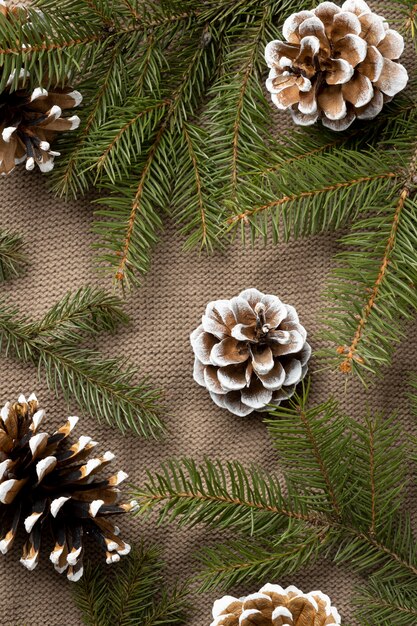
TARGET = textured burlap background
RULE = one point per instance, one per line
(163, 312)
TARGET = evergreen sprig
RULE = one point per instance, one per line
(173, 112)
(317, 508)
(104, 387)
(130, 593)
(12, 255)
(386, 605)
(175, 122)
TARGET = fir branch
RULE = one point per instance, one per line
(313, 450)
(352, 519)
(101, 386)
(90, 595)
(196, 206)
(132, 122)
(319, 192)
(352, 350)
(227, 565)
(249, 213)
(176, 104)
(244, 76)
(198, 184)
(381, 475)
(104, 387)
(73, 178)
(12, 256)
(366, 333)
(131, 595)
(386, 604)
(221, 495)
(89, 310)
(141, 222)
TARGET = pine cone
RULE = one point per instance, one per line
(337, 64)
(30, 121)
(46, 484)
(275, 606)
(250, 351)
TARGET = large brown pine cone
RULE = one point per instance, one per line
(336, 64)
(50, 487)
(275, 606)
(29, 122)
(250, 351)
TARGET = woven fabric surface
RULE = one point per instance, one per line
(163, 312)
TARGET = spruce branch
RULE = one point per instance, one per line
(406, 190)
(12, 256)
(105, 387)
(366, 332)
(197, 208)
(316, 509)
(309, 194)
(131, 595)
(175, 114)
(226, 565)
(386, 604)
(313, 451)
(74, 178)
(88, 311)
(177, 55)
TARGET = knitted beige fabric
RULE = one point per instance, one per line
(58, 242)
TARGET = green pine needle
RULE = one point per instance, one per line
(12, 255)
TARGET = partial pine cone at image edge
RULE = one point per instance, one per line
(30, 119)
(250, 351)
(275, 606)
(51, 489)
(335, 64)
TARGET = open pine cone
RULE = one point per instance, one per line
(336, 64)
(250, 351)
(30, 121)
(275, 606)
(49, 486)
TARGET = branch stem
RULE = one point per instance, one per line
(352, 350)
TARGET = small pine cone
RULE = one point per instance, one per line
(250, 351)
(49, 486)
(336, 64)
(30, 120)
(275, 606)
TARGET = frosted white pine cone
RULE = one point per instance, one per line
(335, 64)
(250, 351)
(275, 606)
